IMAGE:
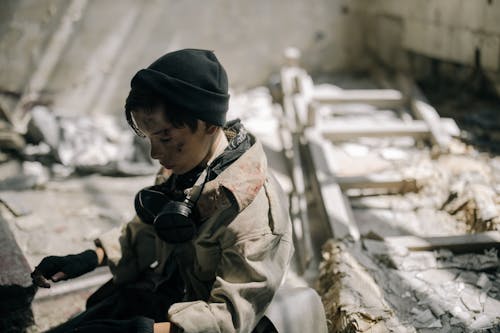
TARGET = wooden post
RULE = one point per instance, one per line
(336, 206)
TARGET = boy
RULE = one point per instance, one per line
(212, 240)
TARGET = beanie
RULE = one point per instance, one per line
(192, 80)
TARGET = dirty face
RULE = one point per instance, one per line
(177, 149)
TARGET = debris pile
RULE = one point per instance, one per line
(412, 289)
(354, 303)
(58, 146)
(408, 213)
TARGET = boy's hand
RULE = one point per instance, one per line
(58, 268)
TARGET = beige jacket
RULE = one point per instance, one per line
(238, 259)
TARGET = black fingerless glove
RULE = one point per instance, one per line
(134, 325)
(72, 265)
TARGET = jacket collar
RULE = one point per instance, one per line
(240, 182)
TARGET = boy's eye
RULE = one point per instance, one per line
(165, 139)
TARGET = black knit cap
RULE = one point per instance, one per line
(191, 80)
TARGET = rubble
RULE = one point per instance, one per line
(43, 127)
(16, 289)
(81, 145)
(354, 302)
(409, 248)
(380, 197)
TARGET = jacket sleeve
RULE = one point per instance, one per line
(251, 269)
(130, 249)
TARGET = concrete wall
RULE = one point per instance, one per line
(25, 28)
(113, 39)
(453, 31)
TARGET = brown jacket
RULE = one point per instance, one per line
(238, 259)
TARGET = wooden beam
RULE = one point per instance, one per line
(336, 207)
(299, 208)
(441, 131)
(336, 132)
(393, 183)
(389, 98)
(458, 244)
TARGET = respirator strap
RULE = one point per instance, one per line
(195, 193)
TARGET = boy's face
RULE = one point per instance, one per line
(177, 149)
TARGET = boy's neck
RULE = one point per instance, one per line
(220, 143)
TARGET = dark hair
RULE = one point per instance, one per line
(145, 100)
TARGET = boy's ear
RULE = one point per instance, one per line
(210, 128)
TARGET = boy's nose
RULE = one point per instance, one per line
(154, 153)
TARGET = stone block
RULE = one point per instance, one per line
(16, 289)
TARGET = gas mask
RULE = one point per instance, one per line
(173, 220)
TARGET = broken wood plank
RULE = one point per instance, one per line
(336, 132)
(388, 98)
(449, 125)
(458, 244)
(336, 208)
(354, 301)
(392, 183)
(427, 113)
